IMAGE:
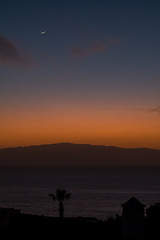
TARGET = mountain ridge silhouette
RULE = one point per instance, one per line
(70, 154)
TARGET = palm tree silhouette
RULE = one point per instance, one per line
(61, 195)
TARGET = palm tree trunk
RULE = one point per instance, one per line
(61, 209)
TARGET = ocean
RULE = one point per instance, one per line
(94, 192)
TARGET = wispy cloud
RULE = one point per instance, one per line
(93, 46)
(146, 110)
(11, 55)
(149, 110)
(157, 109)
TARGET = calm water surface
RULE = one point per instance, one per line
(94, 193)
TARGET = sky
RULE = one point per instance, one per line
(92, 77)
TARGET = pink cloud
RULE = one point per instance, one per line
(75, 52)
(10, 55)
(97, 47)
(114, 41)
(92, 47)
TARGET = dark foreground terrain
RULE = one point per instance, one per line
(17, 225)
(14, 224)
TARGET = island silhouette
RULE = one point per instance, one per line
(76, 155)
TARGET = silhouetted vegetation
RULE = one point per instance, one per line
(152, 222)
(61, 195)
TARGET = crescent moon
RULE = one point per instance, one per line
(43, 32)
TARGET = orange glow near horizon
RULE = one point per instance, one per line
(101, 127)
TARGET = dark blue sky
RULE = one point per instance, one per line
(97, 60)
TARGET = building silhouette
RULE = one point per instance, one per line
(133, 220)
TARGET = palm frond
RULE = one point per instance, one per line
(61, 194)
(68, 196)
(51, 195)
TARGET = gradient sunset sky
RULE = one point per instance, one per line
(92, 77)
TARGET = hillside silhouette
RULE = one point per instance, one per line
(76, 155)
